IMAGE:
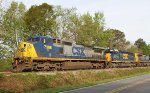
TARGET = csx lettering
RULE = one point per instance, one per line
(78, 51)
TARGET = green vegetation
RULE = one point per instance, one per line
(142, 46)
(18, 23)
(40, 19)
(5, 65)
(25, 82)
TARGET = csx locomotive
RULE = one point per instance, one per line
(44, 53)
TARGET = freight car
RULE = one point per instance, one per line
(43, 53)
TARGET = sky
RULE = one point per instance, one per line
(130, 16)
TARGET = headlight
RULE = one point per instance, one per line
(22, 50)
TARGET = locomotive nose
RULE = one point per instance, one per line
(26, 49)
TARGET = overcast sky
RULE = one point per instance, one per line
(130, 16)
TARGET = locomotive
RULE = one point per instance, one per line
(44, 53)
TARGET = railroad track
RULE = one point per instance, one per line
(8, 73)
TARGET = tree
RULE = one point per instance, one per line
(105, 38)
(118, 40)
(147, 51)
(1, 17)
(90, 29)
(98, 28)
(141, 44)
(13, 26)
(66, 22)
(4, 52)
(40, 19)
(85, 32)
(83, 29)
(133, 49)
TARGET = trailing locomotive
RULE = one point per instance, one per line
(43, 53)
(120, 58)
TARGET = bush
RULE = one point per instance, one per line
(6, 64)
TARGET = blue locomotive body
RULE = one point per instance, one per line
(56, 48)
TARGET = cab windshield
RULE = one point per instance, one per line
(34, 39)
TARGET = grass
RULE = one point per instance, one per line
(75, 86)
(35, 83)
(5, 65)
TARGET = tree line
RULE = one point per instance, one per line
(17, 24)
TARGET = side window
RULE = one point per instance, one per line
(43, 41)
(29, 39)
(47, 41)
(67, 43)
(35, 39)
(61, 50)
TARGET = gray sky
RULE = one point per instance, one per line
(129, 16)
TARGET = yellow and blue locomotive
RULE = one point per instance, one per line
(119, 58)
(47, 53)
